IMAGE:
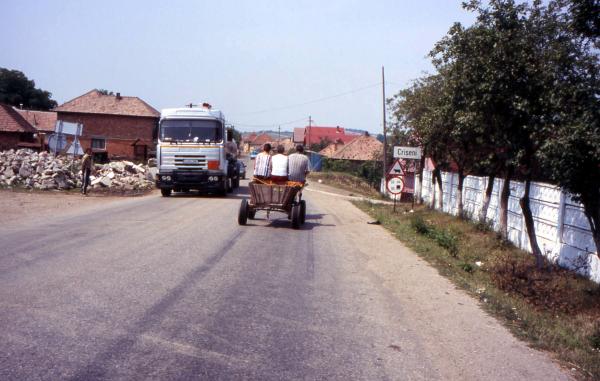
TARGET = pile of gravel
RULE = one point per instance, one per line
(28, 169)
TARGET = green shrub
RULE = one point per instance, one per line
(443, 238)
(420, 225)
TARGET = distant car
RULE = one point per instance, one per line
(241, 169)
(253, 155)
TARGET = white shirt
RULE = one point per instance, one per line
(280, 165)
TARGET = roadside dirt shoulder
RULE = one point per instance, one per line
(18, 207)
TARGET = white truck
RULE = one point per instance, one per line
(191, 152)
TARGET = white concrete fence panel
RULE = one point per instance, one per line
(562, 230)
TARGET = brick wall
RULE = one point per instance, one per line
(9, 140)
(120, 132)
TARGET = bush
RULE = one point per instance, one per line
(420, 225)
(371, 170)
(443, 238)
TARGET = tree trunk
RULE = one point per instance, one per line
(421, 166)
(433, 181)
(459, 190)
(504, 195)
(593, 215)
(486, 199)
(438, 176)
(529, 224)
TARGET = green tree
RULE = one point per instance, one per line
(105, 92)
(421, 110)
(571, 156)
(17, 89)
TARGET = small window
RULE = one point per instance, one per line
(98, 143)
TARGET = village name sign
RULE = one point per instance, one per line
(413, 153)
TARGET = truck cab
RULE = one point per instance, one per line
(191, 152)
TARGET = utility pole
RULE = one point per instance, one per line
(309, 128)
(278, 134)
(384, 125)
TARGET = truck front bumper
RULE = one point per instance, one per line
(190, 180)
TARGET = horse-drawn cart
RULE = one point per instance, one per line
(272, 197)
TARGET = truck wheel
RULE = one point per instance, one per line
(166, 192)
(223, 190)
(302, 211)
(243, 213)
(296, 217)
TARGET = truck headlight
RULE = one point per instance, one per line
(166, 178)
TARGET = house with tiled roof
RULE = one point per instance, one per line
(15, 131)
(298, 137)
(114, 126)
(332, 148)
(260, 141)
(320, 134)
(361, 148)
(42, 121)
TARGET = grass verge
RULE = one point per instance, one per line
(354, 185)
(551, 308)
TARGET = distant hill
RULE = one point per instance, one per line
(274, 134)
(355, 131)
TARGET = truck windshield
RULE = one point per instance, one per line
(191, 130)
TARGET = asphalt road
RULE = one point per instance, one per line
(173, 289)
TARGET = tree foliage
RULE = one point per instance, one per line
(515, 94)
(16, 89)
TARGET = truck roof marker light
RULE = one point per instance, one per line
(213, 164)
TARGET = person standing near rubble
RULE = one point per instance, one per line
(87, 163)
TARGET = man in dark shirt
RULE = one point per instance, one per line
(86, 169)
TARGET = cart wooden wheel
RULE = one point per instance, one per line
(243, 213)
(251, 213)
(302, 211)
(296, 217)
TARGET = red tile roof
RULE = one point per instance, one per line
(363, 147)
(40, 120)
(248, 137)
(94, 102)
(261, 140)
(298, 135)
(316, 134)
(332, 148)
(12, 121)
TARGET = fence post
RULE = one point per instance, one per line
(560, 223)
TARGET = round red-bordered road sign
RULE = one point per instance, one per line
(395, 185)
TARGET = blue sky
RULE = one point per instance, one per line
(261, 62)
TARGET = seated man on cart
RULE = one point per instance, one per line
(279, 166)
(262, 163)
(298, 165)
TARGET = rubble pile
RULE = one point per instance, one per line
(25, 168)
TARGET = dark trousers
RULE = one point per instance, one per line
(85, 180)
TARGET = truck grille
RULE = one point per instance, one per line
(190, 161)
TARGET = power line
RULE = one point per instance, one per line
(311, 101)
(268, 125)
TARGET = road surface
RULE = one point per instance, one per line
(154, 288)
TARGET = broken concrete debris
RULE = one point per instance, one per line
(28, 169)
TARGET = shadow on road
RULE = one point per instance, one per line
(279, 220)
(241, 191)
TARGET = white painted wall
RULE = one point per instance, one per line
(562, 230)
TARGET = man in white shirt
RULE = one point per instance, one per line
(279, 169)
